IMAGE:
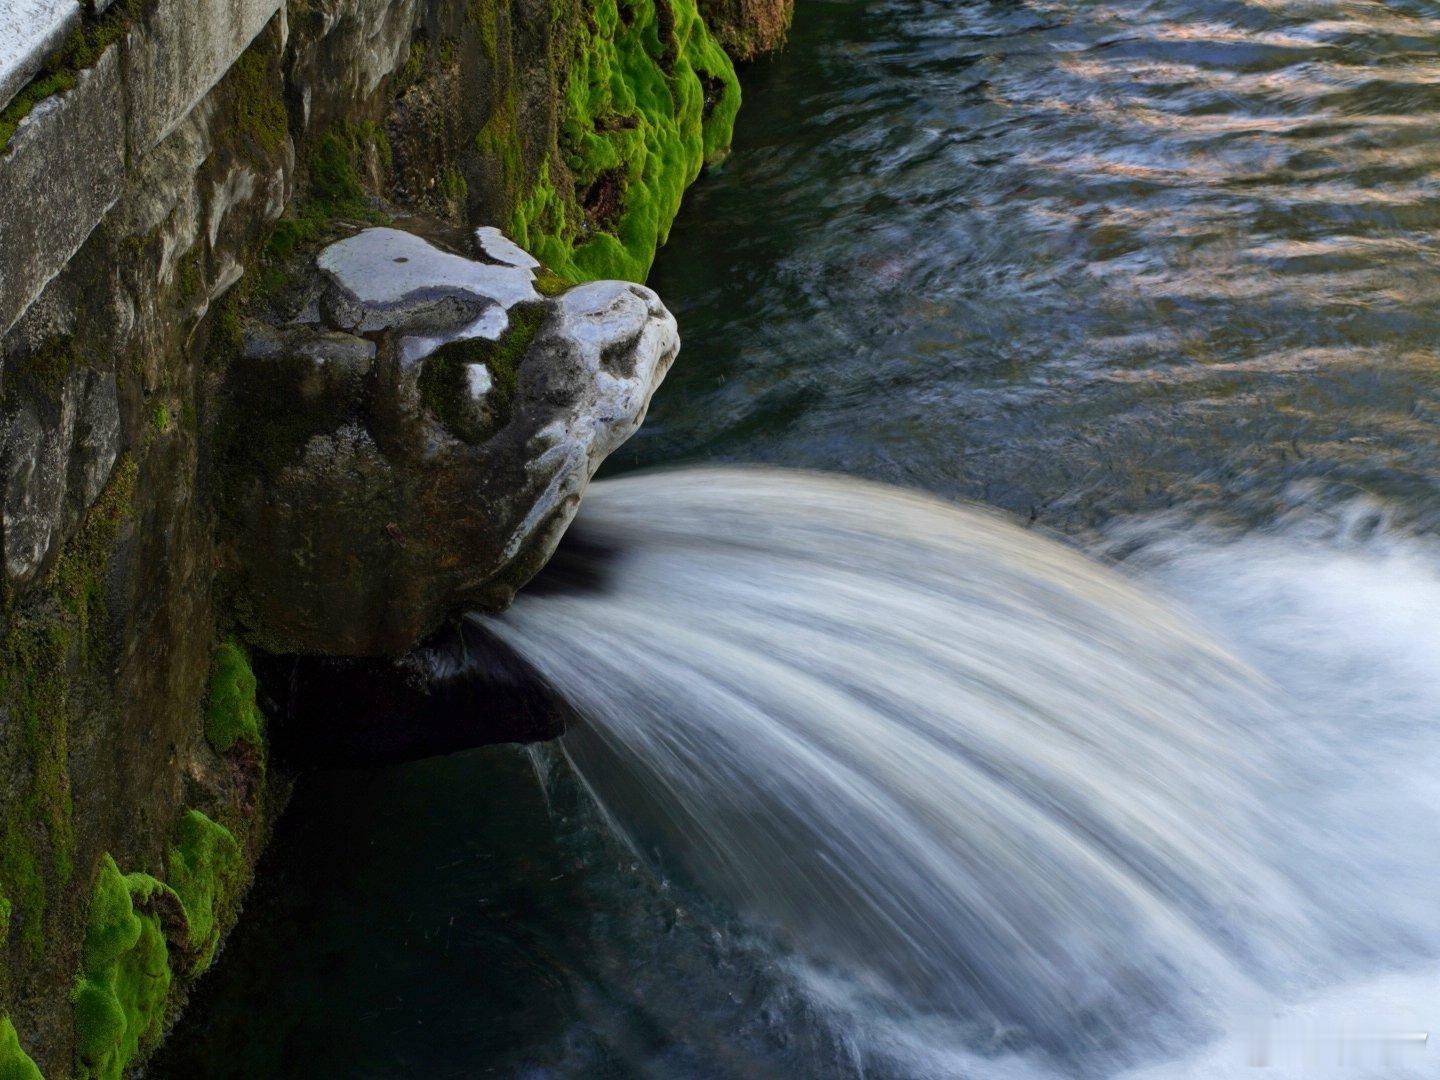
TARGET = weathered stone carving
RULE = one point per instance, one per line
(420, 438)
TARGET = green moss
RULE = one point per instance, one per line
(160, 417)
(47, 365)
(334, 190)
(651, 97)
(82, 49)
(444, 386)
(46, 650)
(549, 283)
(453, 185)
(113, 927)
(227, 333)
(189, 275)
(15, 1064)
(259, 107)
(136, 923)
(119, 998)
(334, 173)
(232, 715)
(206, 868)
(79, 578)
(414, 65)
(38, 828)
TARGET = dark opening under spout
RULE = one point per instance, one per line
(461, 690)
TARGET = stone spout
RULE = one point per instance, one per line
(419, 438)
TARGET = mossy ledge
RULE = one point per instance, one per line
(136, 789)
(81, 49)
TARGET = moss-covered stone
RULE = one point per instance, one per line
(443, 380)
(143, 937)
(81, 50)
(232, 715)
(650, 97)
(259, 106)
(15, 1064)
(43, 369)
(583, 127)
(125, 975)
(45, 648)
(747, 28)
(335, 191)
(206, 869)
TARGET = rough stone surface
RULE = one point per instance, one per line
(54, 471)
(29, 31)
(63, 170)
(178, 52)
(107, 626)
(382, 519)
(363, 41)
(387, 279)
(496, 247)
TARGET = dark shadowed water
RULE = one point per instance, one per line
(1160, 277)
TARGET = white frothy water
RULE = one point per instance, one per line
(1342, 611)
(1004, 812)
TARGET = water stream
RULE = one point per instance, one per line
(1156, 278)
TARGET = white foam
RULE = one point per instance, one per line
(937, 756)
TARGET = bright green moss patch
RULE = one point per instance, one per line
(232, 715)
(444, 382)
(125, 975)
(15, 1064)
(82, 49)
(206, 868)
(142, 935)
(650, 98)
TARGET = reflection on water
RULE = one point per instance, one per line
(1157, 275)
(1074, 258)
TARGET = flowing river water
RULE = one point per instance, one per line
(1156, 278)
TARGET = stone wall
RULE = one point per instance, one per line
(161, 172)
(66, 164)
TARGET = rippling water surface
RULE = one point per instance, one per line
(1159, 277)
(1075, 259)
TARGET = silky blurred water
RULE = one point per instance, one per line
(1157, 277)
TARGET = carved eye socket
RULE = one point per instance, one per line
(401, 258)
